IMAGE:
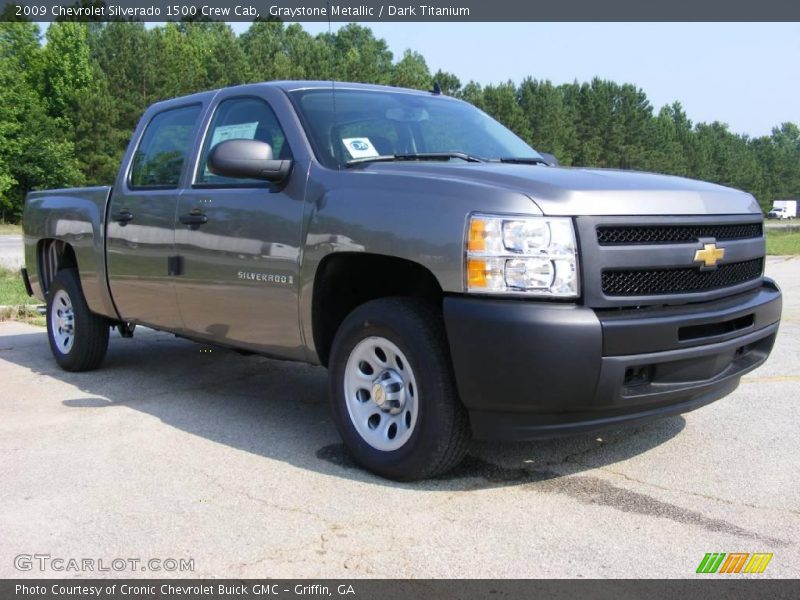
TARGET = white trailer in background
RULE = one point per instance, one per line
(783, 209)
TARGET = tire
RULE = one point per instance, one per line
(417, 392)
(78, 338)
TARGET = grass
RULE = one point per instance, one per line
(25, 313)
(15, 304)
(783, 242)
(12, 290)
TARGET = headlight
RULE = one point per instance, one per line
(522, 255)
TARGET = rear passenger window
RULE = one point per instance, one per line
(166, 143)
(241, 119)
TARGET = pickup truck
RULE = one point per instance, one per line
(783, 209)
(454, 283)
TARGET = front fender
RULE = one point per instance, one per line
(415, 218)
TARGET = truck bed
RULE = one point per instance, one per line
(77, 217)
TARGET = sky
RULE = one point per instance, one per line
(744, 74)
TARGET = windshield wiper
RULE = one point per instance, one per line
(415, 156)
(521, 160)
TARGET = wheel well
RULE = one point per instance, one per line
(54, 255)
(346, 280)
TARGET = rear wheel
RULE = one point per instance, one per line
(393, 393)
(78, 338)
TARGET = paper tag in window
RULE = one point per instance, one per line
(359, 147)
(223, 133)
(239, 131)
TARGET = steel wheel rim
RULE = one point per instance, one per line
(381, 394)
(62, 322)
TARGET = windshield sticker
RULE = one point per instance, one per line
(359, 147)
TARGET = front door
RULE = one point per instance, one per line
(141, 226)
(239, 242)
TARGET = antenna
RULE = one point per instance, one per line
(333, 78)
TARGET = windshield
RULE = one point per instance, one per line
(369, 123)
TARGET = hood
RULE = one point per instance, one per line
(578, 191)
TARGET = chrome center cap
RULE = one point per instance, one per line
(378, 394)
(389, 392)
(65, 323)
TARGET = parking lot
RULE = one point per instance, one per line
(176, 450)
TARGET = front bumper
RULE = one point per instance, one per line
(528, 370)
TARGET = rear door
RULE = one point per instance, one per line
(239, 267)
(140, 240)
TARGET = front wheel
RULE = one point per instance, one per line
(78, 338)
(393, 394)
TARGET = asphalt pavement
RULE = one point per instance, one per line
(180, 451)
(789, 225)
(11, 256)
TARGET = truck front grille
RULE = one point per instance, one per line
(682, 280)
(675, 234)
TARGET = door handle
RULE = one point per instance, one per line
(122, 217)
(193, 219)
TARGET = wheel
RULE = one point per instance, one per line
(392, 391)
(78, 338)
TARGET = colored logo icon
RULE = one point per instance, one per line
(734, 562)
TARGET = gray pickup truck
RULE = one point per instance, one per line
(454, 284)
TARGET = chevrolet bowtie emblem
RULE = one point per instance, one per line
(710, 255)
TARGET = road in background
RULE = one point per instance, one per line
(791, 225)
(11, 252)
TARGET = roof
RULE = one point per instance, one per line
(291, 86)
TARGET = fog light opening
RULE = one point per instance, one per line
(640, 375)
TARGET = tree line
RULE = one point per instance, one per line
(69, 101)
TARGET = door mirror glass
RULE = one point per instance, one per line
(248, 159)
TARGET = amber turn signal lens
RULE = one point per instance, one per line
(477, 235)
(476, 273)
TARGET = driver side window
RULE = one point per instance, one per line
(241, 119)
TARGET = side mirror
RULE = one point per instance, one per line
(249, 159)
